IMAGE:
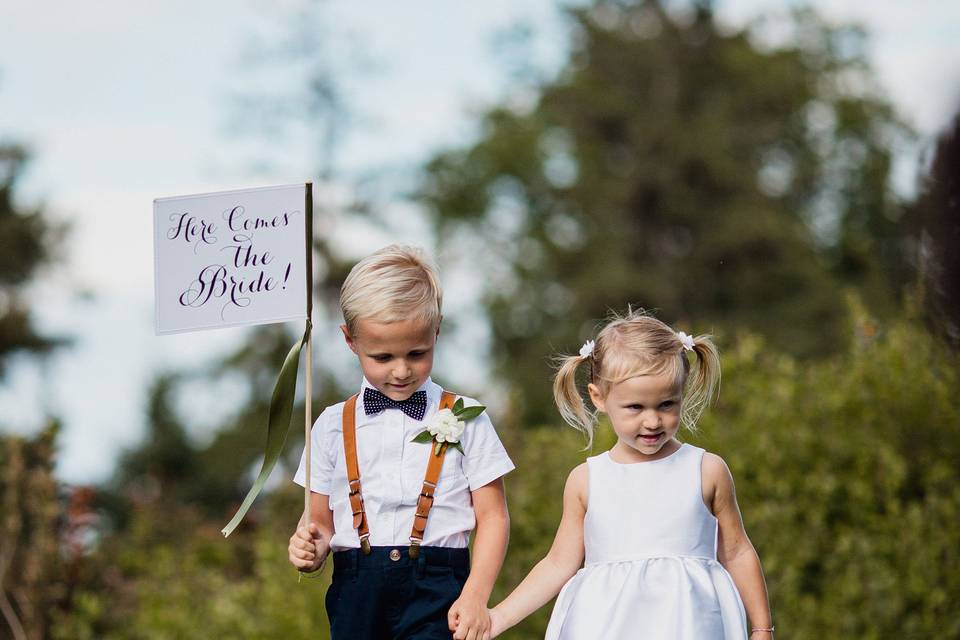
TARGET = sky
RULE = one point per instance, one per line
(121, 102)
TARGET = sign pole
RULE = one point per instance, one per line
(308, 364)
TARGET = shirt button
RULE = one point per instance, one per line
(394, 555)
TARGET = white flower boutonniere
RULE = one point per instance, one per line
(447, 425)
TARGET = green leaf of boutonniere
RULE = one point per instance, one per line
(458, 447)
(423, 437)
(458, 406)
(469, 413)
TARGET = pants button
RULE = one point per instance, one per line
(394, 555)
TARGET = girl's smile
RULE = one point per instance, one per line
(650, 439)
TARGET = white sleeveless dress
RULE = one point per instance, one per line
(651, 569)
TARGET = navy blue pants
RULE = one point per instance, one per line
(389, 596)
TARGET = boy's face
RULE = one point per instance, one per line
(395, 357)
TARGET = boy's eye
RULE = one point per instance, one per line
(382, 358)
(417, 354)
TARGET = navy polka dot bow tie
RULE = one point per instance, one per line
(414, 406)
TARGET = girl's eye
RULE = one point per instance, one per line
(636, 407)
(667, 404)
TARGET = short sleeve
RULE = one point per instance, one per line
(486, 458)
(324, 440)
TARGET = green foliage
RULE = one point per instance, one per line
(27, 242)
(29, 544)
(167, 457)
(172, 575)
(848, 479)
(677, 166)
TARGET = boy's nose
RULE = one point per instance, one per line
(401, 371)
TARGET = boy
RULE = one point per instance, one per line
(398, 527)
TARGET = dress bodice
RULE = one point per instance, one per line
(648, 509)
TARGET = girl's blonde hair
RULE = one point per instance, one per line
(638, 344)
(395, 283)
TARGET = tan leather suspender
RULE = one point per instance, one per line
(353, 472)
(430, 480)
(424, 500)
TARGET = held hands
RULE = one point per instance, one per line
(308, 548)
(469, 619)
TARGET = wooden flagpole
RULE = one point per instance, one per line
(308, 364)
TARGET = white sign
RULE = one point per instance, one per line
(230, 258)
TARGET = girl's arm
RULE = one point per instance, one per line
(734, 549)
(561, 562)
(469, 612)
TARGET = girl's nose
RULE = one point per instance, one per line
(650, 421)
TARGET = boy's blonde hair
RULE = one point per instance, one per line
(396, 283)
(634, 345)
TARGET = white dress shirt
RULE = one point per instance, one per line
(392, 470)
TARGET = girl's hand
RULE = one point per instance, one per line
(308, 549)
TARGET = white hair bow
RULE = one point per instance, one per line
(686, 340)
(587, 349)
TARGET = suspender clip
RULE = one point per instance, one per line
(414, 550)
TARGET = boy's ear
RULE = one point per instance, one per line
(348, 338)
(439, 322)
(596, 397)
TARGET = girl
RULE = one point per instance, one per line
(667, 557)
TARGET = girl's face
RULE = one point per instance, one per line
(645, 414)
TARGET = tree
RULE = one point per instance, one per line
(937, 215)
(28, 241)
(29, 503)
(29, 552)
(674, 166)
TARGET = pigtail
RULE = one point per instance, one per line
(703, 381)
(568, 399)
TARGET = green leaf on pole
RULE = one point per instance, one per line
(278, 424)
